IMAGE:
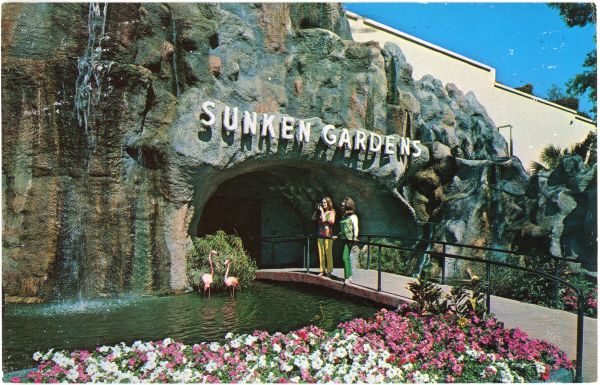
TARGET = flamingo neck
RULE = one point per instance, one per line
(212, 271)
(227, 271)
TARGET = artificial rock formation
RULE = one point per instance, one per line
(106, 167)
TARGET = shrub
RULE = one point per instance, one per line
(392, 260)
(228, 247)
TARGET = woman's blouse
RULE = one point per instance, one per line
(349, 227)
(326, 226)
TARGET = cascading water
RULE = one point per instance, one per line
(71, 247)
(92, 73)
(175, 70)
(92, 70)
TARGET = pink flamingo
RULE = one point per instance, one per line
(208, 278)
(231, 282)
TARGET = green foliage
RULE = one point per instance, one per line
(527, 287)
(228, 247)
(430, 299)
(527, 88)
(392, 260)
(427, 296)
(576, 14)
(552, 156)
(580, 14)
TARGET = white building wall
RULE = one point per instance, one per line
(535, 122)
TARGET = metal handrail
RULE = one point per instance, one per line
(484, 248)
(443, 255)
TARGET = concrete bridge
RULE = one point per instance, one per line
(555, 326)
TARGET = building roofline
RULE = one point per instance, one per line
(543, 101)
(464, 59)
(418, 41)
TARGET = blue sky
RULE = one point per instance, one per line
(525, 42)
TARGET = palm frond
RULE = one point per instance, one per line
(551, 156)
(536, 168)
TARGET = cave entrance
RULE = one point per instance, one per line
(235, 215)
(280, 200)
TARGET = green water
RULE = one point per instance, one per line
(188, 318)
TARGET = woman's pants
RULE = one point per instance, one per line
(325, 254)
(347, 260)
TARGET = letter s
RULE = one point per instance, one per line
(417, 151)
(207, 113)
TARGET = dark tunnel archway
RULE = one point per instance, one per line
(279, 201)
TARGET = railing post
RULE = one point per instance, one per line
(488, 288)
(272, 253)
(308, 254)
(303, 256)
(556, 272)
(379, 270)
(579, 357)
(443, 263)
(368, 252)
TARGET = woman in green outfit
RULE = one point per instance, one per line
(349, 232)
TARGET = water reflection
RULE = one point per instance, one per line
(188, 318)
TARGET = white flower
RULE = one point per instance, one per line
(301, 362)
(229, 336)
(214, 346)
(152, 356)
(236, 343)
(103, 349)
(37, 356)
(539, 367)
(276, 348)
(394, 374)
(285, 367)
(250, 340)
(109, 367)
(72, 375)
(340, 352)
(350, 378)
(167, 341)
(251, 357)
(262, 361)
(211, 366)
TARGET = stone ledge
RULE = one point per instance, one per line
(385, 299)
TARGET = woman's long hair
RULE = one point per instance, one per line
(349, 206)
(329, 204)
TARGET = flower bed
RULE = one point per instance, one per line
(393, 346)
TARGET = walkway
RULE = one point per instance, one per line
(555, 326)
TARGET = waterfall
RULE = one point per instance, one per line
(71, 246)
(175, 71)
(91, 69)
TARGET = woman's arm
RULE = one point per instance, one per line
(354, 219)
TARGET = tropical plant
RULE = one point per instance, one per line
(581, 14)
(228, 247)
(552, 155)
(464, 301)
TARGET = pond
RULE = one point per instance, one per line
(187, 318)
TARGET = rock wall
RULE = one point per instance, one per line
(106, 168)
